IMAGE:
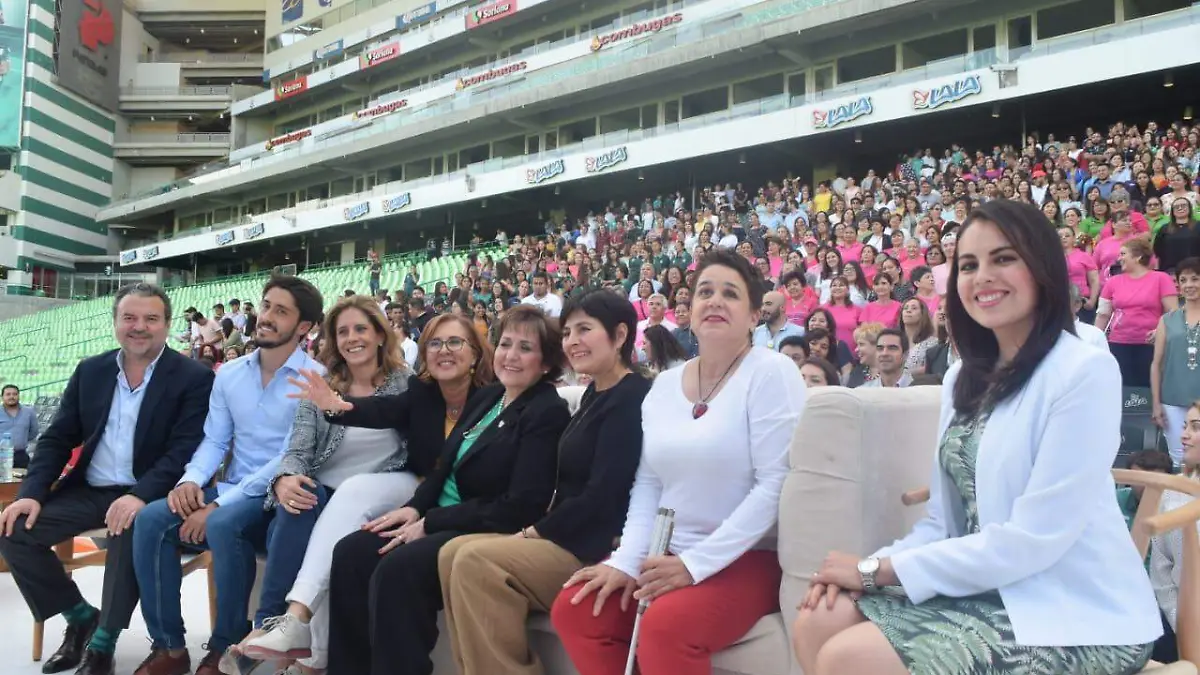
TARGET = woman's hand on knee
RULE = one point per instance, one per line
(604, 580)
(830, 592)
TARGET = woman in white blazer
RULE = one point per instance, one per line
(1023, 563)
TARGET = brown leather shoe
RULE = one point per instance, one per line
(160, 662)
(210, 664)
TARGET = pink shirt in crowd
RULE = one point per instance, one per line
(888, 315)
(1079, 264)
(1106, 253)
(1137, 305)
(941, 276)
(907, 266)
(847, 319)
(798, 310)
(932, 302)
(1137, 220)
(851, 252)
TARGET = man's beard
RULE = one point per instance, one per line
(268, 343)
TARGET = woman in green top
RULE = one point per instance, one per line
(496, 473)
(1100, 213)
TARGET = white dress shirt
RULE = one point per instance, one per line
(112, 462)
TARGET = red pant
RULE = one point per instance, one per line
(681, 630)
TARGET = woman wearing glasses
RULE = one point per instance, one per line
(454, 364)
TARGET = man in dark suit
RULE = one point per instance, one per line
(138, 413)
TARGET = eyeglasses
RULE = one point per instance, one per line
(454, 344)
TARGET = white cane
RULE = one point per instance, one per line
(660, 541)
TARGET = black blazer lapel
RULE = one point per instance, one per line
(507, 417)
(155, 393)
(107, 383)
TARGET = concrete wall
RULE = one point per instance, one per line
(135, 42)
(155, 75)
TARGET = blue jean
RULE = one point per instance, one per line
(233, 533)
(287, 539)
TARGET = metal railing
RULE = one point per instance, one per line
(186, 138)
(224, 91)
(199, 57)
(39, 387)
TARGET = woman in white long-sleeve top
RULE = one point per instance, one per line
(716, 433)
(1166, 551)
(1023, 563)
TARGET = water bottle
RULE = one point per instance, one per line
(6, 458)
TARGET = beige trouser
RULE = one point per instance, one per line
(490, 583)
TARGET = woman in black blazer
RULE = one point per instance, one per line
(490, 583)
(495, 474)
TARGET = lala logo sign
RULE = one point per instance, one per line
(378, 55)
(357, 211)
(847, 112)
(396, 203)
(928, 99)
(254, 231)
(225, 237)
(128, 257)
(150, 253)
(545, 173)
(607, 160)
(490, 12)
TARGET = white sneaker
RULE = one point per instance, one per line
(286, 637)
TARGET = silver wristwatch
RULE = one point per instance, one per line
(868, 568)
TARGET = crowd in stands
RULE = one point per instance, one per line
(407, 451)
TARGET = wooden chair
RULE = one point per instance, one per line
(1147, 523)
(97, 558)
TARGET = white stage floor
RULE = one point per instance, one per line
(16, 633)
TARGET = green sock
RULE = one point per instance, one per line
(81, 613)
(104, 640)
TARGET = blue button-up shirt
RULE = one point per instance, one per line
(255, 420)
(112, 463)
(23, 426)
(763, 337)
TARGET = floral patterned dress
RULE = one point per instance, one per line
(973, 635)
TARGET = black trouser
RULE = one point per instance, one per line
(1135, 362)
(39, 573)
(383, 609)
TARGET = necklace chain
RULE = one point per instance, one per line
(701, 406)
(1193, 342)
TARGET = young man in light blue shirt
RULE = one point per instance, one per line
(249, 410)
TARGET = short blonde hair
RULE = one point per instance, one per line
(868, 331)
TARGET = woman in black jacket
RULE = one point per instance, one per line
(490, 583)
(454, 364)
(495, 474)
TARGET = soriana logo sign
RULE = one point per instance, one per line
(489, 12)
(288, 138)
(378, 55)
(638, 29)
(289, 89)
(488, 76)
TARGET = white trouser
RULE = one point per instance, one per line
(358, 500)
(1173, 431)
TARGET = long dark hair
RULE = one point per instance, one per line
(981, 384)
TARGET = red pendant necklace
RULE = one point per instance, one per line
(700, 407)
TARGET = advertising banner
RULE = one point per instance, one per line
(1138, 430)
(489, 75)
(12, 65)
(291, 88)
(416, 15)
(378, 55)
(90, 49)
(329, 51)
(291, 10)
(636, 30)
(489, 12)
